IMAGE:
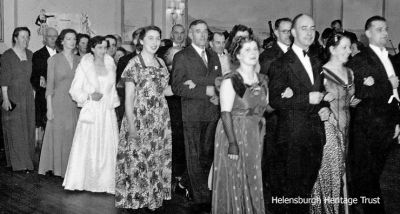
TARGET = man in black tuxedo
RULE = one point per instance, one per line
(279, 47)
(296, 93)
(376, 117)
(122, 63)
(200, 111)
(272, 161)
(39, 74)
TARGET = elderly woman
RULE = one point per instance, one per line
(237, 182)
(18, 105)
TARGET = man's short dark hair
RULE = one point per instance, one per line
(337, 21)
(196, 22)
(217, 33)
(80, 36)
(372, 19)
(279, 21)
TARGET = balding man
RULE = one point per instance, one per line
(39, 74)
(296, 92)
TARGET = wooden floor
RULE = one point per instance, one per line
(32, 193)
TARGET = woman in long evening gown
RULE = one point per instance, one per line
(62, 111)
(237, 181)
(143, 176)
(91, 164)
(18, 121)
(338, 82)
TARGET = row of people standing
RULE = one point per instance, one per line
(316, 152)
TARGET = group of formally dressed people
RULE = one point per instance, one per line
(299, 120)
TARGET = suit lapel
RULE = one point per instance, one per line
(197, 58)
(316, 72)
(298, 69)
(46, 52)
(376, 62)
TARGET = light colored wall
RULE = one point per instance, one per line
(105, 15)
(9, 19)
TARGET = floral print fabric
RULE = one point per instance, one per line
(143, 175)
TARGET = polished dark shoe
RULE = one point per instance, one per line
(181, 190)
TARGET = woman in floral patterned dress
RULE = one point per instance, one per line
(143, 175)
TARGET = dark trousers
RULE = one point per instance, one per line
(304, 141)
(371, 144)
(178, 149)
(273, 162)
(40, 108)
(199, 149)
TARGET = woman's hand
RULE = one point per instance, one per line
(354, 101)
(329, 97)
(96, 96)
(6, 105)
(50, 114)
(233, 151)
(132, 132)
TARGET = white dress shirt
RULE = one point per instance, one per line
(199, 50)
(283, 47)
(51, 51)
(225, 64)
(305, 60)
(383, 55)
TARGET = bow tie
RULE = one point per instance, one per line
(305, 53)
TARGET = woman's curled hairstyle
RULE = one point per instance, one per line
(143, 33)
(237, 45)
(97, 40)
(333, 41)
(61, 37)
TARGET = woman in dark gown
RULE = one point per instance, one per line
(237, 181)
(18, 120)
(338, 81)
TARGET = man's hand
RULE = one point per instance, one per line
(288, 93)
(190, 83)
(214, 100)
(210, 91)
(324, 113)
(315, 97)
(369, 81)
(394, 80)
(42, 82)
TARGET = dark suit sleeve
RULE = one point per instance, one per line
(265, 65)
(278, 84)
(179, 70)
(359, 65)
(36, 71)
(120, 68)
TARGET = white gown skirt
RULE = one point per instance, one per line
(92, 161)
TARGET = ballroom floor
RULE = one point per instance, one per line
(32, 193)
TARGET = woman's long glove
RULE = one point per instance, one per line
(233, 149)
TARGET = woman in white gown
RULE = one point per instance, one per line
(91, 164)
